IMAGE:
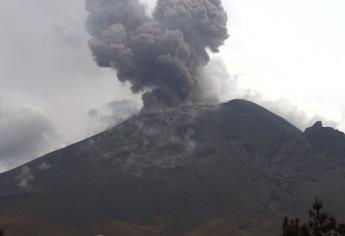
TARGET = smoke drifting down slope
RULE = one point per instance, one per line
(162, 54)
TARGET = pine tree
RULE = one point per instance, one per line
(320, 223)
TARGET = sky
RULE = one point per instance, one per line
(286, 55)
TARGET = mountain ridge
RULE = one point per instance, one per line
(233, 167)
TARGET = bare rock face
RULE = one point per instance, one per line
(230, 169)
(326, 141)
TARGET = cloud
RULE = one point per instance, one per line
(45, 60)
(25, 178)
(112, 114)
(44, 166)
(161, 54)
(26, 132)
(296, 115)
(217, 84)
(222, 86)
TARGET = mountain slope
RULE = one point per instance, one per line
(234, 168)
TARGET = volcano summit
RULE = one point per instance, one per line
(229, 169)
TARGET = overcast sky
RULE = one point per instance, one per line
(286, 55)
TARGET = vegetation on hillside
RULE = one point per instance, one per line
(320, 223)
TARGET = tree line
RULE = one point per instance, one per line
(320, 223)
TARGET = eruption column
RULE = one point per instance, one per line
(163, 53)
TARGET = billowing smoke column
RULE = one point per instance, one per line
(163, 53)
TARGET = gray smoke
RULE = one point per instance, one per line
(162, 54)
(26, 132)
(113, 113)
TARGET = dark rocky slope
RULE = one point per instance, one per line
(231, 169)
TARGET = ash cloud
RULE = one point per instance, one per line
(296, 115)
(26, 132)
(25, 178)
(113, 113)
(161, 55)
(219, 86)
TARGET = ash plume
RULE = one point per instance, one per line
(161, 55)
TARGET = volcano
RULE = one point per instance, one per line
(228, 169)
